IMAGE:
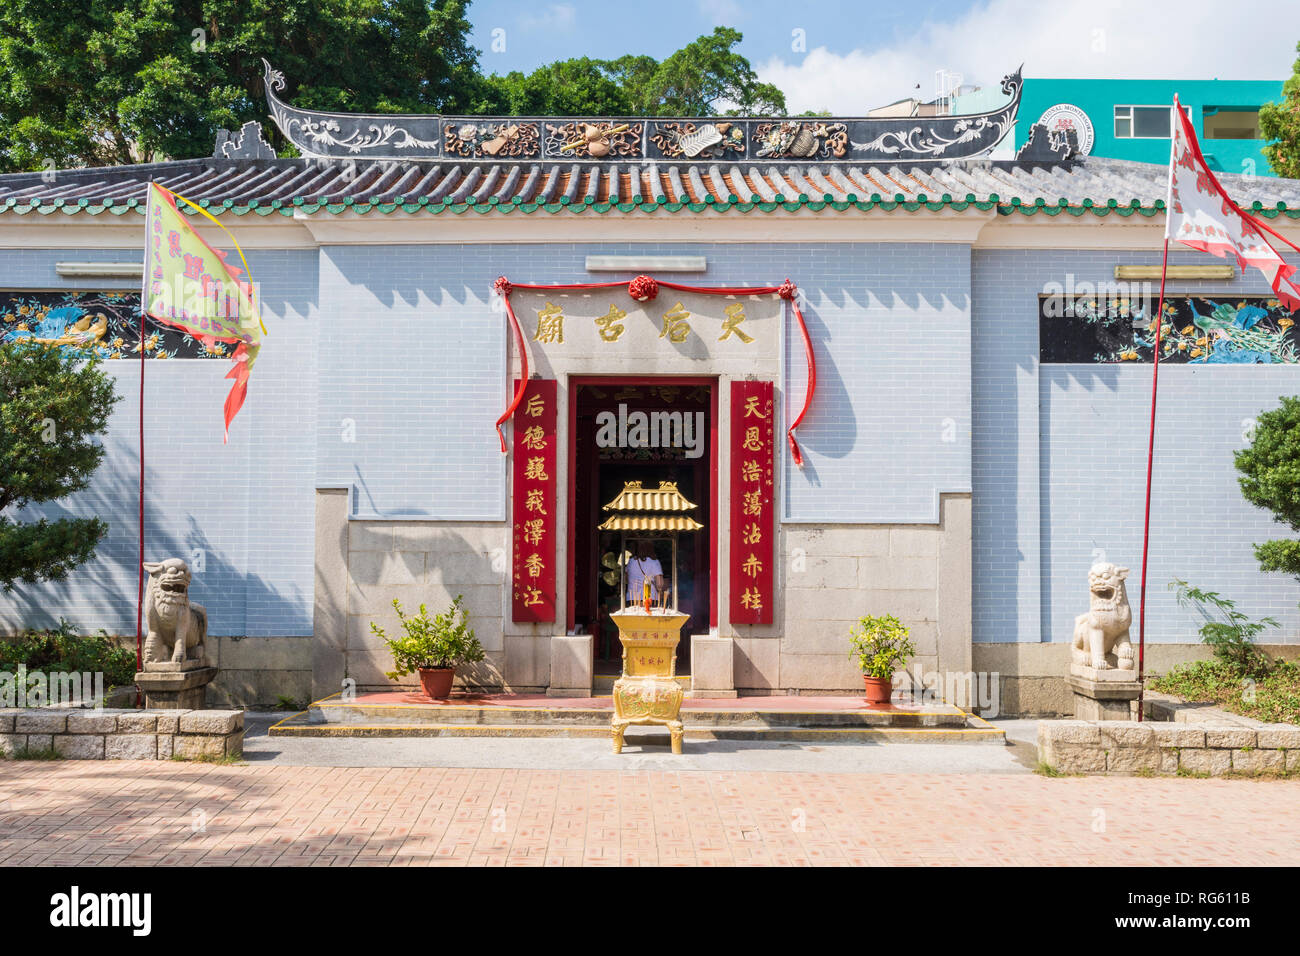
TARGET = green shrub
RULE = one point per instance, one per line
(881, 645)
(1228, 631)
(65, 649)
(446, 640)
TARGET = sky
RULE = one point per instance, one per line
(850, 57)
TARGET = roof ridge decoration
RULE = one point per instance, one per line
(858, 140)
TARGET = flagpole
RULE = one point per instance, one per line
(1146, 519)
(1175, 114)
(139, 564)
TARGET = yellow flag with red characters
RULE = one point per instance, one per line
(190, 286)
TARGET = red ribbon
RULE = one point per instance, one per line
(503, 287)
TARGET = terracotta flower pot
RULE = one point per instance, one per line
(436, 681)
(879, 689)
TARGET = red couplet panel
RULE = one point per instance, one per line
(533, 506)
(753, 456)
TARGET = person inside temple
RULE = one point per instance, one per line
(644, 566)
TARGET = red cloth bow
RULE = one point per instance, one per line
(643, 288)
(502, 286)
(786, 289)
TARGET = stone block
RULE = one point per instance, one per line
(914, 542)
(387, 568)
(712, 665)
(211, 721)
(1069, 732)
(7, 719)
(757, 663)
(41, 722)
(169, 722)
(1177, 735)
(1076, 758)
(37, 741)
(1293, 761)
(571, 666)
(820, 672)
(1168, 760)
(91, 723)
(9, 743)
(165, 746)
(854, 541)
(235, 744)
(1231, 739)
(898, 573)
(1133, 759)
(906, 605)
(190, 746)
(822, 571)
(839, 605)
(528, 661)
(80, 746)
(1279, 736)
(1258, 761)
(1212, 761)
(1127, 734)
(138, 746)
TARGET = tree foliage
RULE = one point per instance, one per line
(93, 83)
(1280, 123)
(53, 404)
(87, 83)
(1270, 478)
(707, 77)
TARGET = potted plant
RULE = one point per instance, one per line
(881, 645)
(433, 647)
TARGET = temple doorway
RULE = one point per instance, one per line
(647, 430)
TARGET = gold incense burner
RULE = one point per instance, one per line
(648, 691)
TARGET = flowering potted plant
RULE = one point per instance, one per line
(881, 645)
(433, 647)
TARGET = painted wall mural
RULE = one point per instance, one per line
(1210, 329)
(104, 323)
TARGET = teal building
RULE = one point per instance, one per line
(1129, 119)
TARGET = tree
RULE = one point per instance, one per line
(1280, 122)
(703, 78)
(89, 83)
(52, 405)
(1270, 478)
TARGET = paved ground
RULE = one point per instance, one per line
(294, 804)
(258, 814)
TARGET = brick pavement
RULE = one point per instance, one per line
(147, 813)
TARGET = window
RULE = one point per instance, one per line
(1144, 122)
(1230, 122)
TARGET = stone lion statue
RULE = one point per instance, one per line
(176, 626)
(1103, 630)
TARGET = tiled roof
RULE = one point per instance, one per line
(297, 186)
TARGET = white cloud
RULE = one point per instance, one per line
(726, 13)
(1153, 39)
(558, 17)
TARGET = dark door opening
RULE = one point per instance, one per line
(606, 455)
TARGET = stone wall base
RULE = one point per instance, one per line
(1128, 747)
(123, 734)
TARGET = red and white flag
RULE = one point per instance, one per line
(1200, 214)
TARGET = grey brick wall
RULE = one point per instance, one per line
(248, 506)
(1059, 464)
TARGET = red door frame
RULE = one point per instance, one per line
(711, 383)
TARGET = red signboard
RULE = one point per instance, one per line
(753, 456)
(533, 509)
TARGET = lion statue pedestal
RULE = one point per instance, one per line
(1103, 672)
(176, 671)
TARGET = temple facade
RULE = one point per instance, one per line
(961, 342)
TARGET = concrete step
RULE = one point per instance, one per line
(749, 718)
(970, 733)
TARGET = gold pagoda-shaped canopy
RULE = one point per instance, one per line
(639, 509)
